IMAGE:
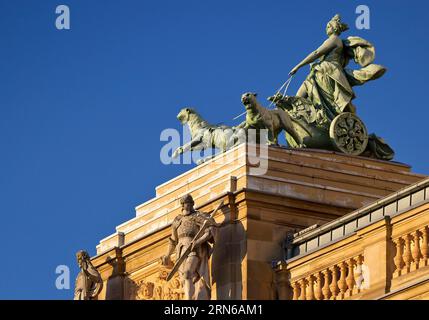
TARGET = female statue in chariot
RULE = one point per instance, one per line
(329, 83)
(322, 108)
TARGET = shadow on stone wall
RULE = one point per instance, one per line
(115, 282)
(228, 254)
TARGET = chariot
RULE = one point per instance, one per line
(320, 128)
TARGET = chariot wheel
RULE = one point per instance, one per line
(348, 134)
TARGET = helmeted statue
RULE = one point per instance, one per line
(88, 282)
(194, 271)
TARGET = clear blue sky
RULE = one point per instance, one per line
(81, 111)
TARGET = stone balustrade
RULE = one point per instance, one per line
(412, 251)
(337, 282)
(386, 258)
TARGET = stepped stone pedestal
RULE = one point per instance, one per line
(297, 189)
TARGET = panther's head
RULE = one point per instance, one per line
(249, 98)
(185, 114)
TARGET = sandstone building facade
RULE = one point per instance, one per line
(316, 225)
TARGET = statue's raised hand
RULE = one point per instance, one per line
(293, 71)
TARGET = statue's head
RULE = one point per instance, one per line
(187, 203)
(146, 290)
(336, 26)
(82, 256)
(248, 98)
(185, 114)
(175, 283)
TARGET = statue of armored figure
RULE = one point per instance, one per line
(88, 282)
(194, 270)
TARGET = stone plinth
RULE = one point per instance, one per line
(300, 188)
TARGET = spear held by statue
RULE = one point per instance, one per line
(189, 248)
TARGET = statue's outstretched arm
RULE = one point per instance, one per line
(325, 48)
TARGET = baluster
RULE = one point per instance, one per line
(295, 288)
(318, 288)
(350, 277)
(399, 260)
(425, 248)
(416, 249)
(310, 291)
(342, 283)
(325, 290)
(359, 273)
(303, 289)
(334, 283)
(408, 258)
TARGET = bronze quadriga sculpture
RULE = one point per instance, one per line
(321, 115)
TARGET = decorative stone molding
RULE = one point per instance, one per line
(156, 287)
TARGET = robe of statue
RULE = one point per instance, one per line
(329, 84)
(88, 282)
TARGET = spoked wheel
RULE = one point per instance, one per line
(348, 134)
